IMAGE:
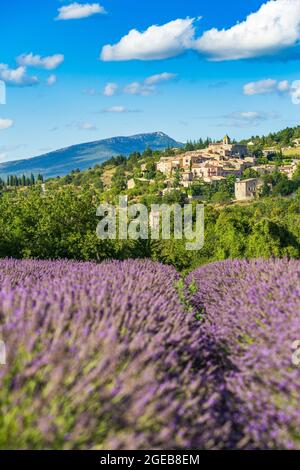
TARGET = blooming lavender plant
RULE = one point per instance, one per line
(251, 317)
(109, 356)
(101, 356)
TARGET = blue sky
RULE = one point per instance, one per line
(74, 72)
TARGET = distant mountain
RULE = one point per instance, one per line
(83, 156)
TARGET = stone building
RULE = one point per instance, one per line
(227, 149)
(166, 165)
(187, 179)
(246, 189)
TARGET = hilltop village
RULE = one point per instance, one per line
(216, 172)
(250, 190)
(218, 161)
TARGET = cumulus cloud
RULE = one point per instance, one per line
(268, 86)
(273, 28)
(157, 42)
(110, 89)
(79, 10)
(263, 87)
(51, 80)
(295, 92)
(6, 123)
(48, 63)
(17, 77)
(260, 87)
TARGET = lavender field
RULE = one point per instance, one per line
(127, 355)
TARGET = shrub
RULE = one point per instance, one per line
(100, 356)
(251, 318)
(124, 355)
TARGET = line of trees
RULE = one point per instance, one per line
(14, 180)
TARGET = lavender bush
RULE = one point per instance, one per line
(101, 356)
(250, 318)
(122, 355)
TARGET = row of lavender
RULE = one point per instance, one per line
(109, 356)
(252, 319)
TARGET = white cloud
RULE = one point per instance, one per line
(86, 126)
(110, 89)
(137, 88)
(283, 85)
(16, 76)
(260, 87)
(249, 115)
(273, 28)
(295, 92)
(147, 87)
(263, 87)
(246, 119)
(6, 123)
(157, 42)
(2, 92)
(79, 10)
(160, 77)
(48, 63)
(144, 88)
(51, 80)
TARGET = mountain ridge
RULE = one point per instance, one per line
(62, 161)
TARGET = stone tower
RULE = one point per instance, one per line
(226, 140)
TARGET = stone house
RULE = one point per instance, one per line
(246, 189)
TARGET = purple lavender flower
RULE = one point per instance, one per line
(251, 316)
(108, 356)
